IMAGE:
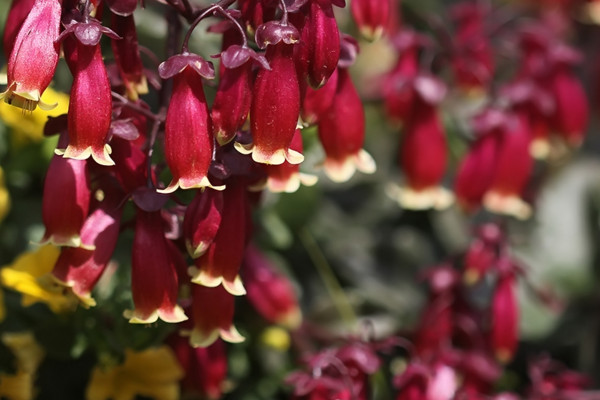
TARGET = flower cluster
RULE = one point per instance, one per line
(170, 156)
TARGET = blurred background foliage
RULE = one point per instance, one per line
(355, 254)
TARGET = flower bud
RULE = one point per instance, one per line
(127, 56)
(342, 133)
(34, 56)
(317, 101)
(504, 333)
(202, 220)
(154, 283)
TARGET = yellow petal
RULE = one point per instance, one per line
(153, 372)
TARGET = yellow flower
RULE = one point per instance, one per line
(4, 199)
(153, 372)
(28, 356)
(29, 126)
(30, 274)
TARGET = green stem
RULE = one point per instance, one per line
(335, 290)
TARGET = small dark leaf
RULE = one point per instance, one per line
(124, 129)
(149, 199)
(179, 62)
(122, 7)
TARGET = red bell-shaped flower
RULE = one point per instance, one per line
(205, 367)
(276, 100)
(423, 150)
(220, 264)
(234, 94)
(319, 47)
(90, 105)
(342, 133)
(154, 282)
(371, 16)
(212, 316)
(80, 268)
(127, 56)
(66, 201)
(188, 128)
(34, 56)
(513, 170)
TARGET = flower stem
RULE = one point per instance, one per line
(335, 290)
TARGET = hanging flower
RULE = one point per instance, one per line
(34, 56)
(188, 128)
(342, 133)
(275, 104)
(154, 280)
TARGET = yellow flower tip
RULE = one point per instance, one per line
(101, 157)
(231, 335)
(197, 251)
(4, 200)
(539, 148)
(370, 34)
(290, 185)
(170, 315)
(308, 179)
(134, 89)
(85, 298)
(204, 278)
(236, 287)
(503, 356)
(276, 338)
(365, 162)
(67, 241)
(271, 158)
(222, 138)
(507, 205)
(431, 198)
(470, 276)
(294, 157)
(200, 338)
(244, 148)
(173, 315)
(291, 320)
(137, 317)
(339, 170)
(190, 184)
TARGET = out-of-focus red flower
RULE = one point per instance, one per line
(504, 335)
(372, 17)
(269, 291)
(342, 132)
